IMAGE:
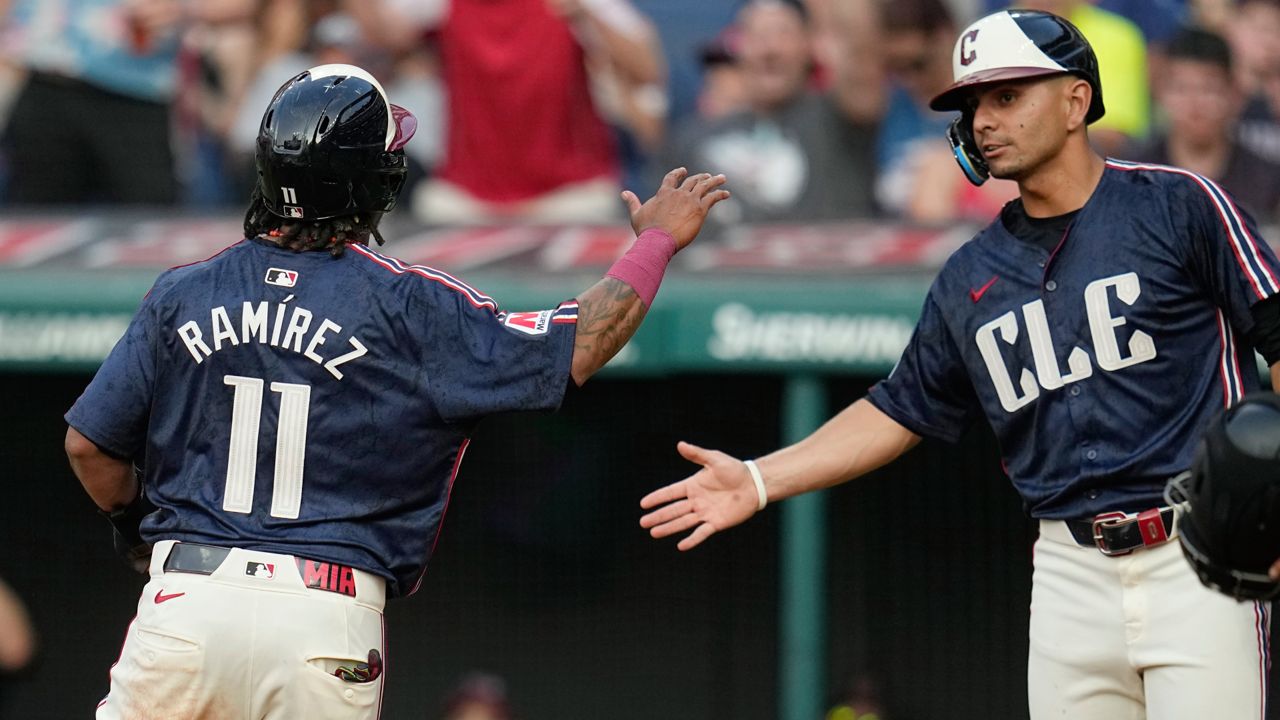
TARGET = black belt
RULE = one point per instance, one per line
(198, 559)
(1120, 534)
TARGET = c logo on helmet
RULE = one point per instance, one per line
(968, 55)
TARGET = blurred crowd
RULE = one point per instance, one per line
(542, 110)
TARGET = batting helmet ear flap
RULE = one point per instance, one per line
(965, 149)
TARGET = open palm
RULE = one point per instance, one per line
(715, 498)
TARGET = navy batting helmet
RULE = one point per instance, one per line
(330, 144)
(1229, 526)
(1012, 45)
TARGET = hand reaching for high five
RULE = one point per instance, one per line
(680, 205)
(715, 498)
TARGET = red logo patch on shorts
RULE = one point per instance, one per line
(327, 576)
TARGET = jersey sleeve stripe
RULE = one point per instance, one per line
(1222, 365)
(566, 313)
(474, 297)
(1251, 245)
(1243, 245)
(1229, 364)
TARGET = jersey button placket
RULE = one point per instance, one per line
(1051, 285)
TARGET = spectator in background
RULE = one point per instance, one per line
(299, 34)
(917, 179)
(793, 154)
(1252, 27)
(17, 637)
(92, 121)
(724, 85)
(525, 139)
(1201, 104)
(1157, 20)
(634, 104)
(478, 697)
(1122, 61)
(215, 68)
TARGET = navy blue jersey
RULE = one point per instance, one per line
(1097, 364)
(312, 405)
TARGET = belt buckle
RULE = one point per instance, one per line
(1151, 525)
(1106, 520)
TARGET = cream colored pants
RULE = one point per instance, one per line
(240, 646)
(1138, 636)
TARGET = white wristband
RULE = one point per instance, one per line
(762, 495)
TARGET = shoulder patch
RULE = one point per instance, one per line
(529, 323)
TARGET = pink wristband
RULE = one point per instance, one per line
(644, 264)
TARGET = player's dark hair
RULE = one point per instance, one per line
(333, 234)
(1199, 45)
(926, 16)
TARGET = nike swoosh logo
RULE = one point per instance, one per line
(976, 295)
(161, 597)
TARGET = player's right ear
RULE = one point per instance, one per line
(1079, 95)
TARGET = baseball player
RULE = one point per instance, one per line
(298, 406)
(1096, 324)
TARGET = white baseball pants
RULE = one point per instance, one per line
(1137, 636)
(240, 646)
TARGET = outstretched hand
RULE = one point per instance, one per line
(715, 498)
(680, 205)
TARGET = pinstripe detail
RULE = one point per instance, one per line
(1242, 242)
(448, 495)
(475, 297)
(1222, 364)
(1262, 627)
(196, 262)
(382, 689)
(1229, 364)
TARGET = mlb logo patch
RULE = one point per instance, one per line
(266, 571)
(282, 278)
(293, 211)
(529, 323)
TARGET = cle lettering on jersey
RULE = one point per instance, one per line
(285, 327)
(1103, 324)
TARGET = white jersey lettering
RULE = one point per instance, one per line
(1103, 324)
(1007, 324)
(291, 335)
(1047, 369)
(1048, 372)
(192, 337)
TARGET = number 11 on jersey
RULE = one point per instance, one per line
(291, 445)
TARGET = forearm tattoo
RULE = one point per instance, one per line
(608, 315)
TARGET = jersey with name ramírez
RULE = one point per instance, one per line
(315, 406)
